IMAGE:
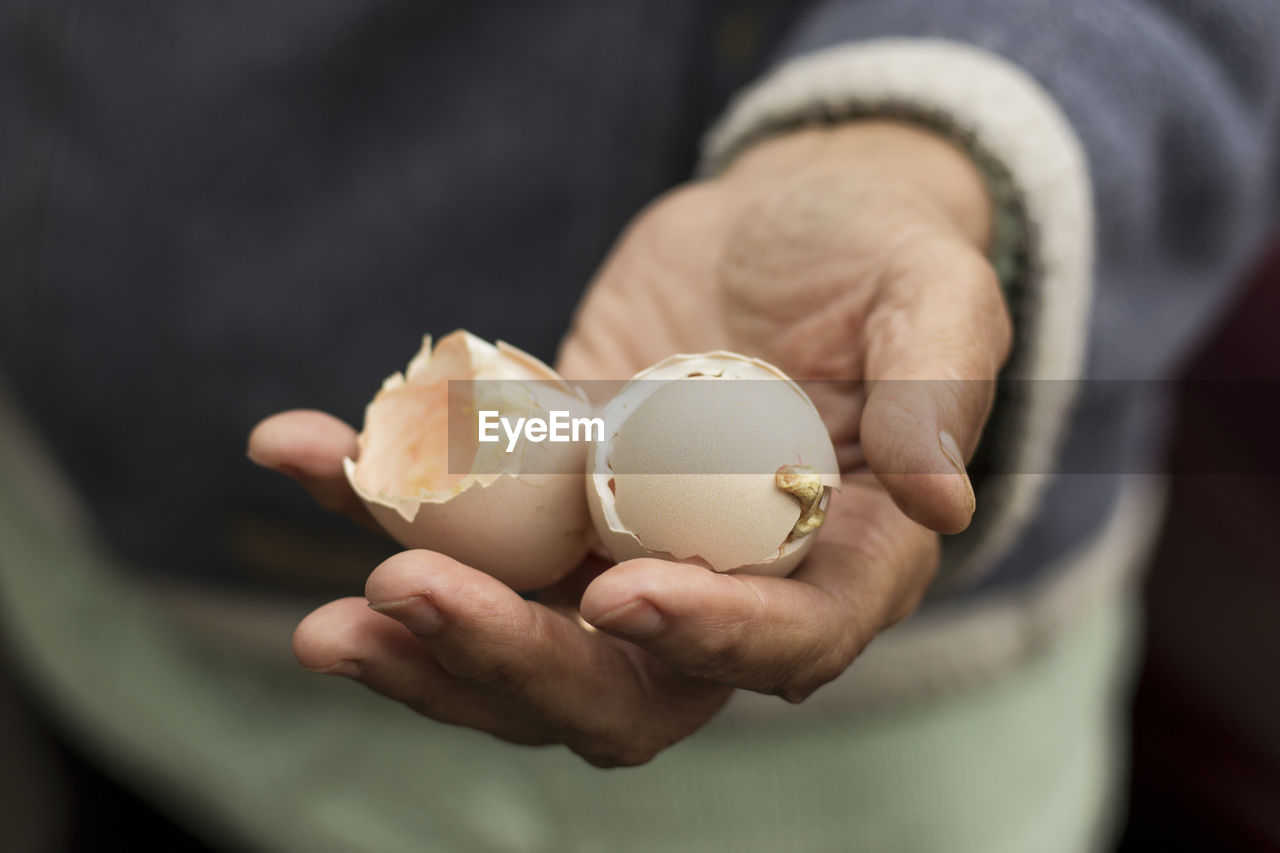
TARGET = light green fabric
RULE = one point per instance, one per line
(293, 761)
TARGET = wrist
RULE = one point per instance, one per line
(885, 150)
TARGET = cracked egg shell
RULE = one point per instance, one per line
(518, 516)
(737, 481)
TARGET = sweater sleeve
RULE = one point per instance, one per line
(1132, 150)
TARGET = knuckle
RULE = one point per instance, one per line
(971, 267)
(719, 654)
(612, 751)
(990, 301)
(795, 694)
(829, 655)
(621, 737)
(827, 667)
(1003, 333)
(676, 213)
(501, 661)
(833, 664)
(630, 756)
(798, 688)
(692, 199)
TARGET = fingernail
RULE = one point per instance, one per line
(638, 619)
(415, 613)
(347, 668)
(951, 450)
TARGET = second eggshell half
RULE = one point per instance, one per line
(687, 470)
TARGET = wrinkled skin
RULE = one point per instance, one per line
(851, 254)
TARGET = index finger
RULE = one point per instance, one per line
(936, 342)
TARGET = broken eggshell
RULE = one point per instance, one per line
(422, 471)
(736, 478)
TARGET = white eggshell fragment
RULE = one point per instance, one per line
(692, 470)
(427, 479)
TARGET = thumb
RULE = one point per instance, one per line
(936, 342)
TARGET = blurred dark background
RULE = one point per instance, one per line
(1206, 749)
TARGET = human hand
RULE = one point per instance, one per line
(847, 255)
